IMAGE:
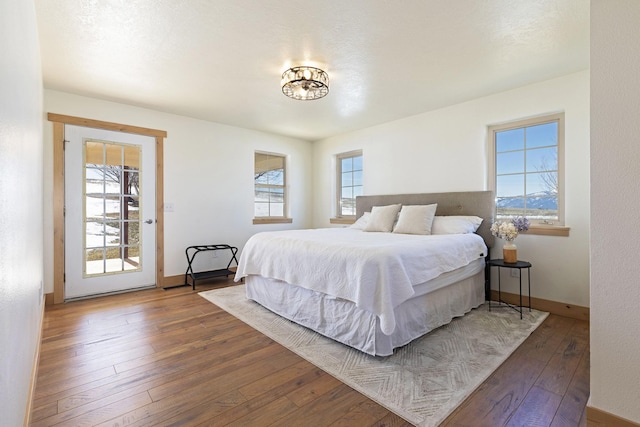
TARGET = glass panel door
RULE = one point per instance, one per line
(110, 228)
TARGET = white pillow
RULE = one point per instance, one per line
(455, 224)
(415, 219)
(382, 218)
(361, 222)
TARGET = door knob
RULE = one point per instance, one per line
(149, 221)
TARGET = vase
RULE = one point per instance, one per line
(510, 252)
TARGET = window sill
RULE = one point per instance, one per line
(272, 220)
(548, 230)
(344, 220)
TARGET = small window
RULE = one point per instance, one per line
(270, 186)
(526, 173)
(349, 180)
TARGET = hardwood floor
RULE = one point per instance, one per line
(171, 358)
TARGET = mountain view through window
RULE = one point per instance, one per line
(526, 164)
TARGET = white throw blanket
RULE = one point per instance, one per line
(376, 271)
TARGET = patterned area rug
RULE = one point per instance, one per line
(424, 381)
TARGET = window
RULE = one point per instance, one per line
(112, 210)
(349, 180)
(270, 186)
(526, 172)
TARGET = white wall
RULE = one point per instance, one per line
(446, 150)
(208, 176)
(615, 235)
(20, 205)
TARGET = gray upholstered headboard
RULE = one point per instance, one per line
(479, 203)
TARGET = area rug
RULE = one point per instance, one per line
(424, 381)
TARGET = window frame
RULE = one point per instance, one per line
(545, 227)
(272, 219)
(339, 186)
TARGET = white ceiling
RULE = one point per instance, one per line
(221, 60)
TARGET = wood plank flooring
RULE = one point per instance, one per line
(171, 358)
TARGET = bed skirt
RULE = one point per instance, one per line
(342, 321)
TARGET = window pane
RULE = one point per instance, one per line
(261, 178)
(276, 209)
(268, 165)
(347, 179)
(510, 185)
(132, 156)
(357, 178)
(112, 179)
(545, 182)
(276, 195)
(260, 162)
(347, 164)
(94, 261)
(134, 203)
(357, 191)
(510, 206)
(94, 175)
(510, 162)
(114, 260)
(94, 206)
(542, 159)
(542, 135)
(131, 233)
(132, 251)
(510, 140)
(94, 152)
(112, 237)
(276, 177)
(94, 234)
(347, 193)
(261, 195)
(543, 208)
(348, 207)
(114, 155)
(131, 182)
(112, 206)
(261, 209)
(357, 163)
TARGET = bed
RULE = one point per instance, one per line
(376, 291)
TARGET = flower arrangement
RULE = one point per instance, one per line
(508, 230)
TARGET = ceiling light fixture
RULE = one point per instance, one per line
(305, 83)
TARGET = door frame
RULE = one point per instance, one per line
(59, 121)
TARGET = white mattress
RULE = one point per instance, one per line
(435, 303)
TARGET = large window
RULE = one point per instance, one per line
(526, 173)
(270, 186)
(349, 180)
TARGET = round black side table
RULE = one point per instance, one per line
(519, 265)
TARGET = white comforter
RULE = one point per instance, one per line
(376, 271)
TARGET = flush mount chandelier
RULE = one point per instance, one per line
(305, 83)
